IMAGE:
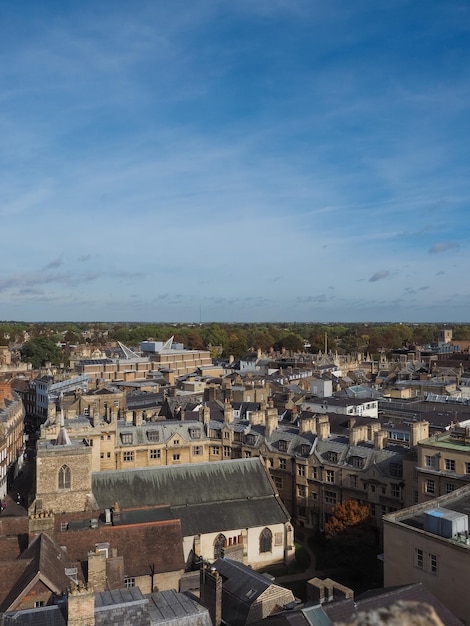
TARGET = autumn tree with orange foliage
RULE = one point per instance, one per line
(345, 515)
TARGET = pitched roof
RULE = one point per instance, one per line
(205, 496)
(43, 561)
(417, 592)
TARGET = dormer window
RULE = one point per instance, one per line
(283, 445)
(250, 440)
(153, 435)
(357, 461)
(127, 438)
(195, 433)
(332, 457)
(305, 449)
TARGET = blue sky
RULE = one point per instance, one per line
(257, 160)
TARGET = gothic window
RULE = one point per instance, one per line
(265, 540)
(64, 477)
(219, 545)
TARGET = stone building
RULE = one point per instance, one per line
(12, 437)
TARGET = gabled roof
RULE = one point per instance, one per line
(43, 561)
(241, 588)
(205, 496)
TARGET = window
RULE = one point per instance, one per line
(332, 456)
(108, 455)
(215, 450)
(330, 476)
(433, 563)
(196, 450)
(450, 465)
(353, 481)
(64, 477)
(64, 526)
(283, 445)
(226, 435)
(195, 433)
(450, 487)
(357, 461)
(176, 457)
(305, 449)
(153, 435)
(467, 468)
(227, 451)
(265, 541)
(300, 470)
(429, 486)
(396, 470)
(250, 440)
(315, 473)
(282, 464)
(128, 456)
(154, 453)
(419, 558)
(247, 454)
(176, 442)
(126, 438)
(101, 455)
(330, 497)
(278, 539)
(38, 603)
(415, 497)
(278, 482)
(129, 581)
(429, 461)
(219, 545)
(301, 491)
(395, 490)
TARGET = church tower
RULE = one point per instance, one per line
(63, 475)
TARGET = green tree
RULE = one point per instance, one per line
(41, 350)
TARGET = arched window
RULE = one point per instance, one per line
(219, 545)
(265, 540)
(64, 477)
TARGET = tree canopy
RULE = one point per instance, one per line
(345, 515)
(41, 350)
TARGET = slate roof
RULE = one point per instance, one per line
(121, 607)
(416, 592)
(43, 616)
(178, 609)
(241, 588)
(205, 496)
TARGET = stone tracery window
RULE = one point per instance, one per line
(65, 476)
(219, 545)
(265, 540)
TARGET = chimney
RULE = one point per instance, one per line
(380, 438)
(228, 413)
(211, 593)
(138, 418)
(271, 422)
(418, 432)
(204, 414)
(323, 427)
(97, 570)
(81, 606)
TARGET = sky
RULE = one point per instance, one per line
(248, 161)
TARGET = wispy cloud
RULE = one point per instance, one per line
(380, 275)
(437, 248)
